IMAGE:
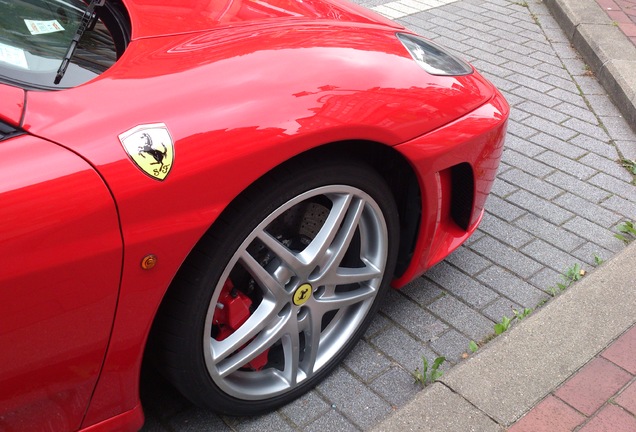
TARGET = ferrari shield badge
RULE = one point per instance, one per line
(151, 148)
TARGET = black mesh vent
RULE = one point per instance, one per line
(462, 194)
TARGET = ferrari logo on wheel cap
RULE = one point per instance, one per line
(302, 294)
(151, 148)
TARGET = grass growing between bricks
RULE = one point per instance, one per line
(426, 376)
(628, 232)
(568, 277)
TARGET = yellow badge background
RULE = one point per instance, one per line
(136, 139)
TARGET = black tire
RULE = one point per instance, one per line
(273, 258)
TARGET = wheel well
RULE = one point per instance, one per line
(392, 167)
(396, 171)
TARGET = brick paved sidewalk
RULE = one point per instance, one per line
(601, 396)
(623, 13)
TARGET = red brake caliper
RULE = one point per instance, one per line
(232, 310)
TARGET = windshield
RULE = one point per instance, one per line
(35, 36)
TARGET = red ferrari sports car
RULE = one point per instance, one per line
(224, 189)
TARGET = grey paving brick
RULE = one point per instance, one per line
(331, 421)
(608, 166)
(506, 256)
(594, 233)
(540, 207)
(379, 324)
(505, 232)
(546, 278)
(524, 163)
(531, 183)
(366, 362)
(402, 348)
(468, 261)
(575, 66)
(422, 291)
(617, 127)
(397, 386)
(502, 307)
(528, 93)
(485, 55)
(532, 81)
(563, 48)
(583, 114)
(574, 168)
(502, 188)
(599, 147)
(578, 187)
(602, 105)
(362, 406)
(412, 317)
(505, 85)
(509, 285)
(513, 99)
(622, 206)
(498, 10)
(539, 45)
(627, 148)
(446, 24)
(547, 58)
(461, 317)
(543, 112)
(558, 145)
(524, 146)
(589, 251)
(461, 285)
(549, 232)
(554, 69)
(452, 345)
(521, 130)
(503, 209)
(476, 34)
(305, 409)
(590, 85)
(550, 128)
(589, 129)
(612, 184)
(564, 95)
(198, 419)
(549, 255)
(477, 25)
(493, 70)
(564, 83)
(588, 210)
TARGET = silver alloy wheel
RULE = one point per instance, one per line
(332, 239)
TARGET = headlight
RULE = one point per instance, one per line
(432, 58)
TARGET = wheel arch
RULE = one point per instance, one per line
(393, 167)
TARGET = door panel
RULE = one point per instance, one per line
(60, 267)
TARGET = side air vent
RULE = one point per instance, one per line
(7, 131)
(462, 195)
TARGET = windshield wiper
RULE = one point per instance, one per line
(87, 21)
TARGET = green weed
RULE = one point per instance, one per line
(628, 232)
(571, 274)
(427, 376)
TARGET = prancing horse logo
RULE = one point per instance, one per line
(302, 294)
(151, 148)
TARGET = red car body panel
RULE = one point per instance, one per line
(12, 104)
(228, 132)
(54, 330)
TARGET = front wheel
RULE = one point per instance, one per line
(281, 288)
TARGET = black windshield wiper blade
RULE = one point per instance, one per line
(84, 24)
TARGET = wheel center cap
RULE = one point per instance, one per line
(302, 294)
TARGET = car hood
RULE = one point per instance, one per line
(152, 18)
